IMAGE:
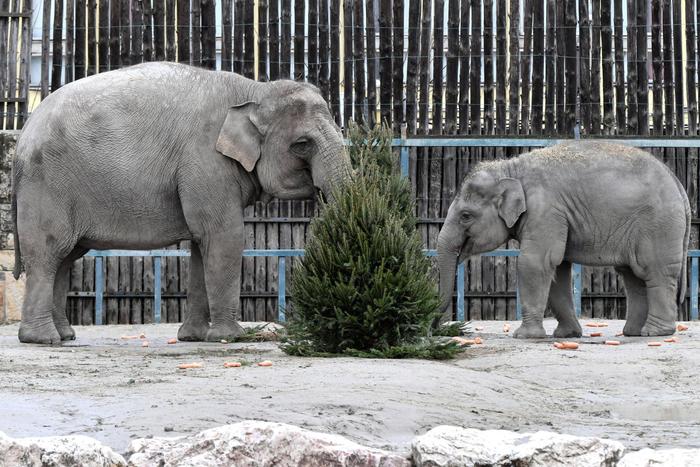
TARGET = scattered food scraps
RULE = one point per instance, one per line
(619, 334)
(463, 341)
(232, 364)
(144, 344)
(129, 337)
(506, 327)
(172, 341)
(566, 345)
(185, 366)
(681, 327)
(592, 324)
(142, 336)
(654, 344)
(612, 342)
(671, 339)
(265, 363)
(596, 334)
(477, 340)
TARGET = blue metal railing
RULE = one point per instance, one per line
(158, 255)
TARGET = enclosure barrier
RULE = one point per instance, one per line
(157, 255)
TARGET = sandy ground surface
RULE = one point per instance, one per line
(115, 390)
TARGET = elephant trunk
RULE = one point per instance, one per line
(450, 242)
(331, 166)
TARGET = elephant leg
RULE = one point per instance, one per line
(661, 296)
(37, 326)
(534, 279)
(221, 257)
(60, 292)
(637, 306)
(562, 303)
(196, 324)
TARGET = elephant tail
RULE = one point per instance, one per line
(18, 253)
(683, 280)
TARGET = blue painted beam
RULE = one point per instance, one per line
(540, 142)
(99, 290)
(460, 292)
(156, 288)
(577, 287)
(694, 288)
(281, 289)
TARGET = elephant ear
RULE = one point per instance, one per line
(511, 204)
(241, 135)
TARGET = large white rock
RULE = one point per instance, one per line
(257, 444)
(57, 451)
(451, 446)
(662, 458)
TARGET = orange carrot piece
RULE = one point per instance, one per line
(129, 337)
(185, 366)
(671, 339)
(681, 327)
(612, 342)
(265, 363)
(654, 344)
(232, 364)
(596, 334)
(477, 340)
(172, 341)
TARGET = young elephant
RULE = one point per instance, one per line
(149, 155)
(592, 203)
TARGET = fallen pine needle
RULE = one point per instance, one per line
(654, 344)
(612, 342)
(232, 364)
(185, 366)
(265, 363)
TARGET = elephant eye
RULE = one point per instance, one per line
(302, 146)
(466, 217)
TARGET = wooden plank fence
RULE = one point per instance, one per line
(530, 68)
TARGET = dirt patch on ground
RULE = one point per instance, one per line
(115, 390)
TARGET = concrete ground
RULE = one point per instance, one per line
(115, 390)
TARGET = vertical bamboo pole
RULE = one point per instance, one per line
(313, 42)
(239, 34)
(514, 68)
(642, 73)
(196, 43)
(136, 34)
(183, 31)
(570, 63)
(335, 59)
(488, 66)
(585, 66)
(263, 43)
(561, 69)
(551, 70)
(227, 35)
(249, 51)
(147, 48)
(385, 65)
(349, 62)
(370, 40)
(464, 62)
(274, 28)
(426, 33)
(323, 46)
(619, 70)
(70, 34)
(413, 70)
(607, 51)
(669, 90)
(80, 36)
(57, 60)
(452, 75)
(691, 88)
(358, 57)
(125, 35)
(158, 33)
(657, 61)
(209, 37)
(537, 68)
(475, 69)
(397, 66)
(678, 66)
(299, 15)
(525, 69)
(91, 57)
(438, 55)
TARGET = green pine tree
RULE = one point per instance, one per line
(365, 287)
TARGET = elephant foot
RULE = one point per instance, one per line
(45, 333)
(193, 332)
(650, 330)
(532, 331)
(568, 330)
(227, 332)
(632, 330)
(66, 332)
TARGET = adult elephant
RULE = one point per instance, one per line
(592, 203)
(157, 153)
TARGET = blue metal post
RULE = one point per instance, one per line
(99, 289)
(460, 292)
(518, 308)
(156, 289)
(577, 288)
(404, 161)
(281, 289)
(694, 288)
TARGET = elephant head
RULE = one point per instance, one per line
(480, 219)
(288, 137)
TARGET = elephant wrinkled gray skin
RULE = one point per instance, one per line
(593, 203)
(149, 155)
